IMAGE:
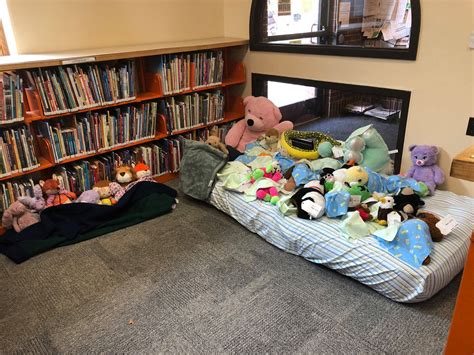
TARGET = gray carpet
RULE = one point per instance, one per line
(196, 281)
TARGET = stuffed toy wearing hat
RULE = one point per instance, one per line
(260, 115)
(142, 170)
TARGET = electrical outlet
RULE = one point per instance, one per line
(471, 41)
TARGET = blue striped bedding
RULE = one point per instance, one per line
(320, 242)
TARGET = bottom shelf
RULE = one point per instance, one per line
(166, 177)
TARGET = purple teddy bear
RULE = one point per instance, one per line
(424, 166)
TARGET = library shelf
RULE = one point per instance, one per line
(148, 87)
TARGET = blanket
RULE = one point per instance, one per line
(199, 167)
(72, 223)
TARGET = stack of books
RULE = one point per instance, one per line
(17, 153)
(99, 131)
(11, 98)
(203, 134)
(77, 87)
(209, 67)
(10, 191)
(194, 110)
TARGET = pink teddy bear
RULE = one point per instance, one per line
(260, 115)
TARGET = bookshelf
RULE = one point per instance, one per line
(147, 90)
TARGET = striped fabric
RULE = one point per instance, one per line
(321, 242)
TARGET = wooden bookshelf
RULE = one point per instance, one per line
(148, 88)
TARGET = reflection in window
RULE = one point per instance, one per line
(345, 27)
(338, 109)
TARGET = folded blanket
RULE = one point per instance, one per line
(68, 224)
(199, 167)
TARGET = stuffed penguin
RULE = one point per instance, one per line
(309, 201)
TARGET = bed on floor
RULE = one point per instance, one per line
(324, 240)
(320, 242)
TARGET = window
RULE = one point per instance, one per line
(338, 109)
(364, 28)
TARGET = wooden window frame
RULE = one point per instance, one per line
(259, 41)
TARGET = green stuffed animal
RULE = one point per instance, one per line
(367, 148)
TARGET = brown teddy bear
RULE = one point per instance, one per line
(214, 141)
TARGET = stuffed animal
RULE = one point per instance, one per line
(214, 141)
(309, 201)
(103, 188)
(408, 201)
(260, 115)
(36, 203)
(18, 217)
(89, 196)
(367, 148)
(385, 208)
(424, 168)
(55, 195)
(125, 174)
(269, 140)
(355, 179)
(327, 179)
(142, 170)
(431, 220)
(268, 194)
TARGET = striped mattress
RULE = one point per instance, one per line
(321, 242)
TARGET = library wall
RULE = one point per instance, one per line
(441, 79)
(78, 24)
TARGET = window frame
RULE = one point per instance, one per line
(257, 42)
(259, 89)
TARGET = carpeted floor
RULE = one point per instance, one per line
(196, 281)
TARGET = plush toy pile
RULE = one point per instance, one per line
(27, 209)
(311, 175)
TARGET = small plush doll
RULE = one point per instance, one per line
(89, 196)
(408, 201)
(124, 175)
(19, 217)
(55, 194)
(309, 201)
(424, 168)
(431, 220)
(103, 189)
(36, 203)
(272, 172)
(142, 170)
(269, 140)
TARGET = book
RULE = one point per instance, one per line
(383, 113)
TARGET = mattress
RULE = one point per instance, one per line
(321, 242)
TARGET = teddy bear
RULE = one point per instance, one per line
(18, 217)
(125, 176)
(56, 195)
(214, 141)
(260, 115)
(424, 166)
(103, 189)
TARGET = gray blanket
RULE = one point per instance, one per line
(199, 166)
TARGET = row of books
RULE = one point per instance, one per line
(203, 134)
(162, 157)
(70, 88)
(194, 110)
(11, 97)
(98, 131)
(181, 72)
(17, 153)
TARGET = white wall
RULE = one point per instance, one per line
(441, 79)
(56, 25)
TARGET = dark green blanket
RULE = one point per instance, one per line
(73, 223)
